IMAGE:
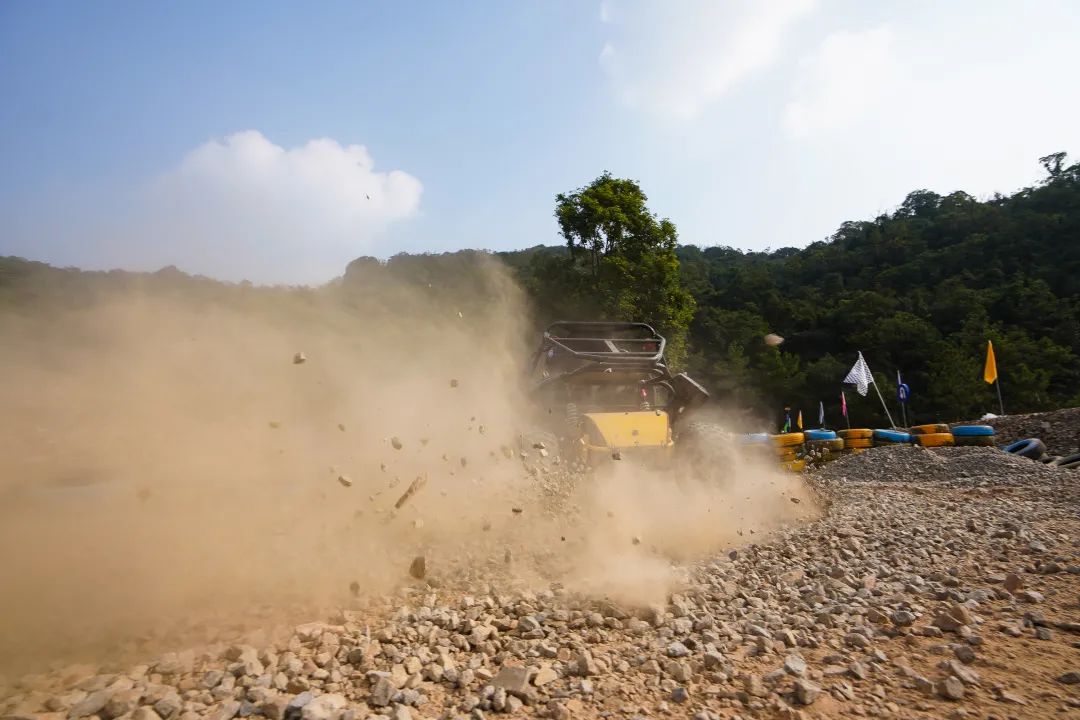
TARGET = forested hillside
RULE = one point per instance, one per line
(919, 290)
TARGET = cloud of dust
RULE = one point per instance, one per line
(721, 494)
(165, 465)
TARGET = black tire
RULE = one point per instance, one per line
(1068, 460)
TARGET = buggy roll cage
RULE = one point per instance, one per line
(612, 349)
(607, 347)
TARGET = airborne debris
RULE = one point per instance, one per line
(516, 510)
(413, 488)
(418, 567)
(772, 339)
(354, 588)
(299, 358)
(344, 480)
(395, 442)
(341, 427)
(616, 455)
(274, 424)
(453, 382)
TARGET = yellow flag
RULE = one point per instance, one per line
(800, 420)
(990, 371)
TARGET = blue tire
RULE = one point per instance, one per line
(819, 435)
(1032, 448)
(892, 436)
(972, 431)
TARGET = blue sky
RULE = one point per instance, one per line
(275, 141)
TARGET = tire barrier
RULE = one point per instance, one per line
(1032, 448)
(932, 429)
(856, 434)
(937, 439)
(789, 439)
(891, 437)
(858, 443)
(819, 435)
(974, 440)
(973, 431)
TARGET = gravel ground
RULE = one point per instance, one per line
(939, 584)
(1059, 429)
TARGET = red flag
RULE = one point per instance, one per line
(843, 405)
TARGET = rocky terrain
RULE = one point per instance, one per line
(1059, 429)
(938, 584)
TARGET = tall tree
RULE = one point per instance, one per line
(626, 258)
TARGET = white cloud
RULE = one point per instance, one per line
(675, 59)
(246, 208)
(842, 81)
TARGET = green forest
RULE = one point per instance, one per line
(919, 290)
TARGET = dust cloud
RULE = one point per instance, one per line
(167, 468)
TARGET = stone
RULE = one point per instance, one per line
(122, 703)
(794, 665)
(680, 695)
(951, 689)
(168, 706)
(92, 704)
(382, 692)
(227, 711)
(1013, 582)
(145, 713)
(963, 673)
(677, 650)
(325, 707)
(1070, 678)
(513, 679)
(806, 692)
(544, 676)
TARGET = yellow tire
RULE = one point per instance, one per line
(856, 434)
(858, 443)
(932, 429)
(787, 455)
(938, 439)
(788, 439)
(835, 445)
(794, 465)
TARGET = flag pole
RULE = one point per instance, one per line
(1001, 403)
(883, 405)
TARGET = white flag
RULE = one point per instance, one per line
(860, 376)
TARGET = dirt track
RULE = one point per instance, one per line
(178, 494)
(939, 584)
